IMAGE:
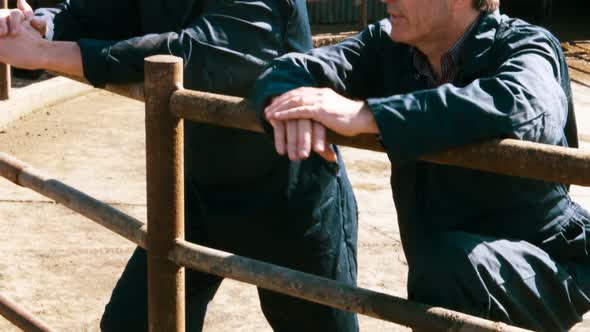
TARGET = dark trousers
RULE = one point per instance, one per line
(508, 280)
(326, 247)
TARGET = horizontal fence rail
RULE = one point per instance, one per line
(129, 90)
(329, 292)
(283, 280)
(26, 176)
(507, 156)
(21, 318)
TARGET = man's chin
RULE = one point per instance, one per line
(396, 33)
(396, 37)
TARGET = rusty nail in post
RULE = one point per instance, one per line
(165, 194)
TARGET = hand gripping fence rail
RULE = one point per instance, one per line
(167, 104)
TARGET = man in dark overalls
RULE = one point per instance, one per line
(240, 195)
(442, 74)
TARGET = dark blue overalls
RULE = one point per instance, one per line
(240, 195)
(500, 247)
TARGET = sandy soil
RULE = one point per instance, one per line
(63, 267)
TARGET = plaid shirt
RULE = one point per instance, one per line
(450, 61)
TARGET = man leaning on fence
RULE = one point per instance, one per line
(441, 74)
(240, 195)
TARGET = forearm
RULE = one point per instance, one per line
(367, 121)
(62, 57)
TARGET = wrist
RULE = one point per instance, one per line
(369, 125)
(43, 47)
(61, 57)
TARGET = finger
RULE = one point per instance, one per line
(40, 25)
(26, 9)
(15, 21)
(292, 140)
(277, 100)
(304, 138)
(330, 154)
(310, 112)
(285, 103)
(286, 95)
(279, 135)
(320, 146)
(319, 137)
(4, 14)
(294, 97)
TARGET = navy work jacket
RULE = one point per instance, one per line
(514, 83)
(225, 44)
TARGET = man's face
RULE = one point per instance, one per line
(416, 22)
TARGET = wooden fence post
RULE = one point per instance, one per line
(165, 194)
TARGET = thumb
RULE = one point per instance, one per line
(328, 154)
(25, 8)
(40, 25)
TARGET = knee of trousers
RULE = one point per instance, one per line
(442, 274)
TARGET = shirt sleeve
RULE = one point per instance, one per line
(224, 49)
(344, 67)
(522, 99)
(71, 20)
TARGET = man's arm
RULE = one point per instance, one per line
(68, 21)
(346, 68)
(224, 49)
(288, 80)
(63, 57)
(523, 99)
(28, 50)
(71, 20)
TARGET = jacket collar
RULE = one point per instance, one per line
(478, 47)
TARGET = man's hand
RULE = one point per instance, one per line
(300, 118)
(297, 138)
(342, 115)
(24, 50)
(12, 20)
